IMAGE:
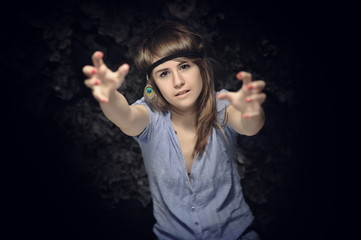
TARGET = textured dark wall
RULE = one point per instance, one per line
(73, 174)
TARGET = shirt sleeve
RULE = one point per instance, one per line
(221, 105)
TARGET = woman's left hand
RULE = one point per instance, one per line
(249, 98)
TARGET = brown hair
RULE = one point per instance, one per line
(171, 38)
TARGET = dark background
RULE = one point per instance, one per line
(70, 174)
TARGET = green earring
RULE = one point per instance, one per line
(149, 93)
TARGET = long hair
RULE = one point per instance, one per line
(171, 38)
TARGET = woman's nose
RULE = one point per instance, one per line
(178, 80)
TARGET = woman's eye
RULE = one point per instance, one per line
(163, 74)
(185, 66)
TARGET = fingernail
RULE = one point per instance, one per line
(245, 115)
(104, 100)
(93, 71)
(248, 99)
(249, 87)
(96, 83)
(239, 75)
(99, 54)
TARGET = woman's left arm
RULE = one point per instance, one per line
(245, 113)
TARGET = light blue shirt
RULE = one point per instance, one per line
(207, 205)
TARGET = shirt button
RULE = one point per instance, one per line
(193, 209)
(196, 223)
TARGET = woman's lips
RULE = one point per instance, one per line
(182, 93)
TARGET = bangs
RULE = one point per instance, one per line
(169, 45)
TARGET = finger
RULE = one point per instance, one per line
(257, 86)
(251, 114)
(246, 77)
(89, 71)
(123, 70)
(97, 59)
(90, 83)
(98, 95)
(260, 98)
(226, 95)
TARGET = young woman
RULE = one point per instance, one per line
(187, 133)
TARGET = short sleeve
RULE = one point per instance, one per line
(221, 105)
(153, 116)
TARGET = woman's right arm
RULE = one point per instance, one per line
(132, 120)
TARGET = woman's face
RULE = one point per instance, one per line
(180, 83)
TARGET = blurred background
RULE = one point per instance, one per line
(69, 173)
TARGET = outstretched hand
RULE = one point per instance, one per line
(101, 79)
(249, 98)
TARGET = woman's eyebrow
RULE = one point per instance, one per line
(163, 69)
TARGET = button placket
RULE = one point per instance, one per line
(194, 216)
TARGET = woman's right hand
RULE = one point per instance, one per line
(103, 81)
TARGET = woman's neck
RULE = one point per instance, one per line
(184, 120)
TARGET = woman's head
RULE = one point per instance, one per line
(169, 41)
